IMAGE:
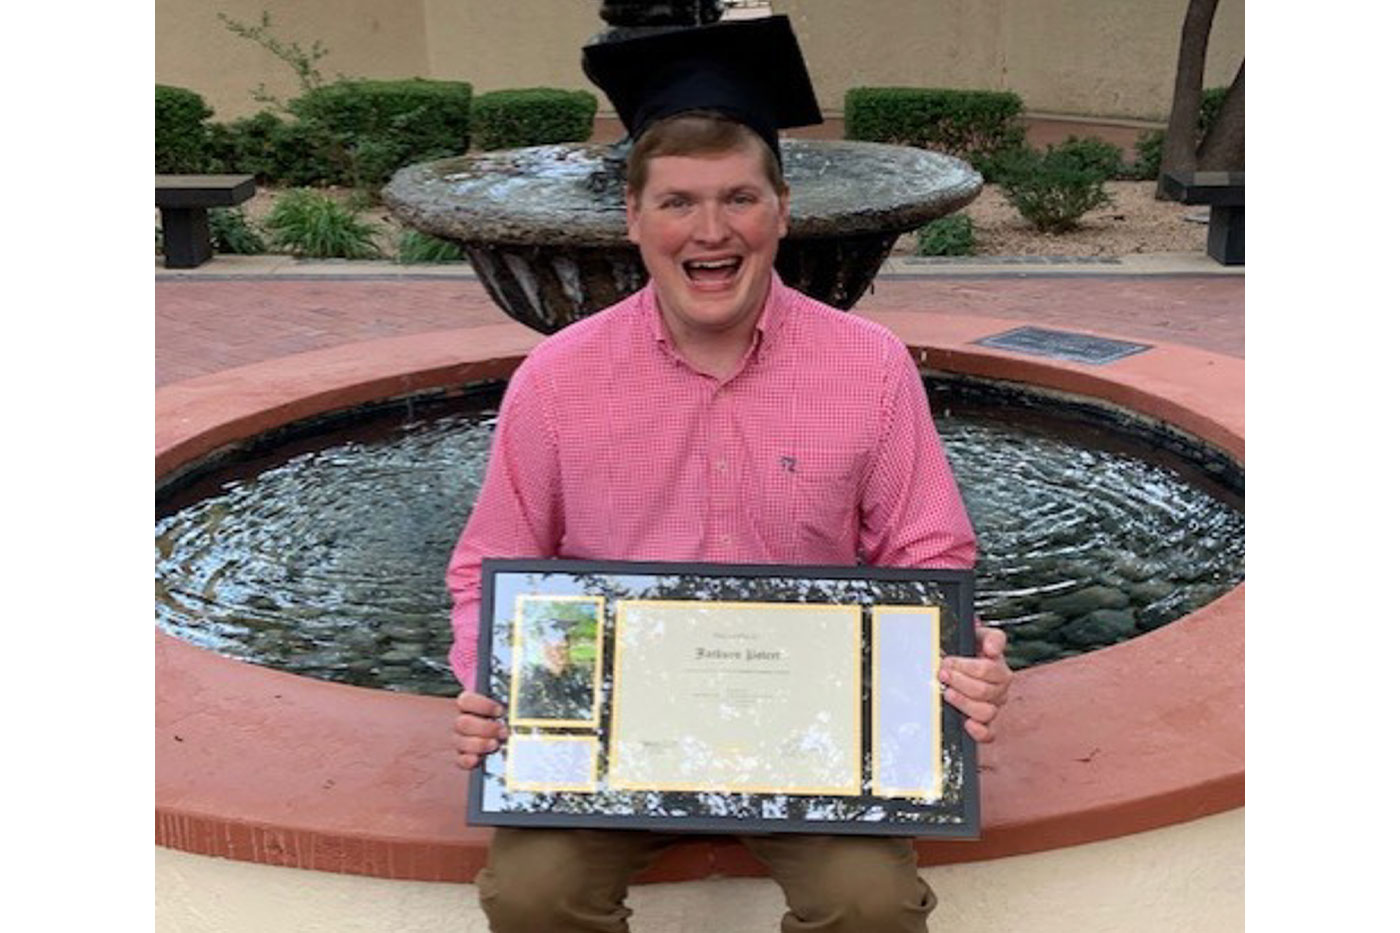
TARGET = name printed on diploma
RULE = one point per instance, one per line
(749, 654)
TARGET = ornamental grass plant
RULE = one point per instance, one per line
(416, 247)
(313, 225)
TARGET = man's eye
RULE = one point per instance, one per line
(743, 198)
(671, 204)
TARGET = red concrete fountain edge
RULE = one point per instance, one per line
(263, 766)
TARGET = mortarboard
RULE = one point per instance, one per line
(751, 70)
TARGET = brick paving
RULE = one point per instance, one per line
(206, 324)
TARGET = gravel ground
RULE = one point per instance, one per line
(1134, 223)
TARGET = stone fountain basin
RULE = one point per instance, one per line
(263, 766)
(545, 227)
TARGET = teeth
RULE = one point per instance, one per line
(712, 263)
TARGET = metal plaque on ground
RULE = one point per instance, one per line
(1063, 344)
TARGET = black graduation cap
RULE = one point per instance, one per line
(751, 70)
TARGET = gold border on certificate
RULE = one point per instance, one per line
(589, 787)
(518, 646)
(935, 618)
(850, 787)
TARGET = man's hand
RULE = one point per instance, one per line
(978, 686)
(478, 729)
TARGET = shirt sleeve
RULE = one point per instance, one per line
(912, 514)
(517, 513)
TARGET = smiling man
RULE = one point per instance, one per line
(715, 416)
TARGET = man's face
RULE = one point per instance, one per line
(556, 657)
(708, 228)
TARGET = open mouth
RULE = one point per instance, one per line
(715, 271)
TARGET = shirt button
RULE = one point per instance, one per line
(721, 465)
(725, 539)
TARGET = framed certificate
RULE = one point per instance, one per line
(725, 698)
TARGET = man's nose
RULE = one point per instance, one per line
(711, 226)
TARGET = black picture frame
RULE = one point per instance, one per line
(563, 766)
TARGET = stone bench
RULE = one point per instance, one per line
(184, 202)
(1224, 192)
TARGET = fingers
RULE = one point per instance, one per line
(980, 732)
(475, 703)
(980, 714)
(978, 687)
(991, 642)
(978, 679)
(478, 730)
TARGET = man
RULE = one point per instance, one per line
(715, 416)
(553, 686)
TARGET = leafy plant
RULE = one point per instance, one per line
(415, 247)
(1053, 190)
(1149, 154)
(1094, 154)
(301, 61)
(372, 128)
(1150, 142)
(970, 124)
(230, 232)
(533, 116)
(311, 224)
(182, 139)
(946, 236)
(273, 149)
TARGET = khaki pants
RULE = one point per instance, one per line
(567, 880)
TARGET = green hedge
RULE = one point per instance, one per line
(533, 116)
(970, 124)
(373, 128)
(181, 136)
(273, 149)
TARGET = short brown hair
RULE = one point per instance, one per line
(697, 132)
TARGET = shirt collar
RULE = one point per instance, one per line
(771, 317)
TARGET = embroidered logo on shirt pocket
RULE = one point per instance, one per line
(811, 493)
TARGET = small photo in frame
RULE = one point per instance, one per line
(557, 660)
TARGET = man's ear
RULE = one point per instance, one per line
(783, 202)
(632, 207)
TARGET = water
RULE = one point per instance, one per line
(325, 556)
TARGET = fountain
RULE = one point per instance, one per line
(257, 765)
(544, 227)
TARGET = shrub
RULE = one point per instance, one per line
(289, 152)
(970, 124)
(1094, 154)
(1055, 189)
(946, 236)
(1212, 98)
(230, 232)
(1149, 154)
(373, 128)
(181, 136)
(308, 223)
(415, 246)
(1149, 143)
(533, 116)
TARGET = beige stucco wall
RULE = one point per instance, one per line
(366, 38)
(1185, 877)
(1088, 57)
(525, 43)
(1102, 58)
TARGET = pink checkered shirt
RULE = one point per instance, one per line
(820, 449)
